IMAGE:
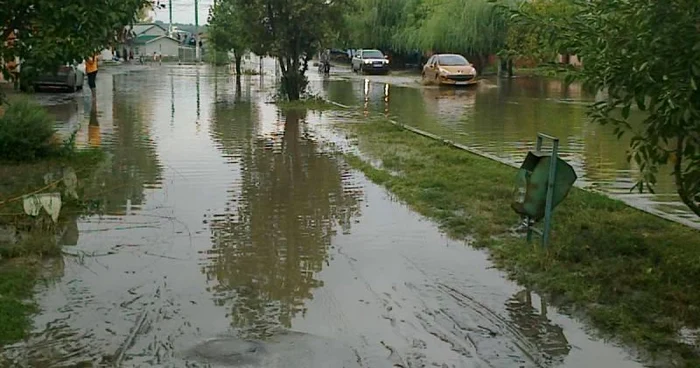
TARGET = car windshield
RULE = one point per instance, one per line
(452, 60)
(372, 54)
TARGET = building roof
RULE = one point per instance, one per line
(140, 28)
(145, 39)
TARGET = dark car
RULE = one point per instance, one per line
(370, 61)
(67, 76)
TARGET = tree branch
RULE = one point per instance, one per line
(680, 183)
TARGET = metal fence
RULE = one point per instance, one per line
(186, 54)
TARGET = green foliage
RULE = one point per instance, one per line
(646, 55)
(227, 31)
(476, 27)
(636, 275)
(226, 28)
(26, 132)
(525, 40)
(16, 284)
(50, 32)
(291, 31)
(217, 57)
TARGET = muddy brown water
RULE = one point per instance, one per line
(503, 116)
(234, 235)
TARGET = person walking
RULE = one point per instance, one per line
(91, 70)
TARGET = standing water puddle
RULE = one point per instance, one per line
(503, 116)
(235, 235)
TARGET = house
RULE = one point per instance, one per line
(147, 45)
(149, 29)
(147, 38)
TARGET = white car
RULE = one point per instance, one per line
(370, 61)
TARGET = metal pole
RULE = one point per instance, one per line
(550, 190)
(170, 10)
(196, 31)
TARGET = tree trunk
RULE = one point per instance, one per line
(687, 198)
(293, 76)
(502, 67)
(238, 58)
(566, 59)
(510, 68)
(481, 64)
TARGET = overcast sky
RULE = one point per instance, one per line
(183, 11)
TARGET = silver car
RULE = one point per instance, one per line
(67, 76)
(370, 61)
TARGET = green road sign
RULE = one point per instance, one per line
(542, 182)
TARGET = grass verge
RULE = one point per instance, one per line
(309, 103)
(24, 239)
(16, 307)
(634, 275)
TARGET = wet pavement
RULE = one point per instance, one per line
(234, 235)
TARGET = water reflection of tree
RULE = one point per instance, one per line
(536, 327)
(133, 163)
(267, 250)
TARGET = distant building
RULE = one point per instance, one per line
(147, 38)
(149, 29)
(148, 44)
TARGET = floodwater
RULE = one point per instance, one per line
(233, 235)
(503, 116)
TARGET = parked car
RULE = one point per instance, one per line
(69, 76)
(449, 69)
(370, 61)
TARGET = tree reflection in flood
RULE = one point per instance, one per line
(536, 326)
(274, 237)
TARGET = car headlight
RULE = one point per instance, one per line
(368, 62)
(443, 71)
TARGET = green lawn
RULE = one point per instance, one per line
(635, 275)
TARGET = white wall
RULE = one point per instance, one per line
(164, 46)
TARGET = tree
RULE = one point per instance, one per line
(475, 27)
(48, 33)
(291, 31)
(646, 55)
(226, 31)
(524, 40)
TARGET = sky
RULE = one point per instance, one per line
(183, 11)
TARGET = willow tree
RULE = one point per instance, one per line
(476, 27)
(375, 22)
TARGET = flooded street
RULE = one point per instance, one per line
(503, 116)
(234, 235)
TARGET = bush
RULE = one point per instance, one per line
(217, 57)
(26, 132)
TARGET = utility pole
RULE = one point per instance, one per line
(170, 10)
(196, 31)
